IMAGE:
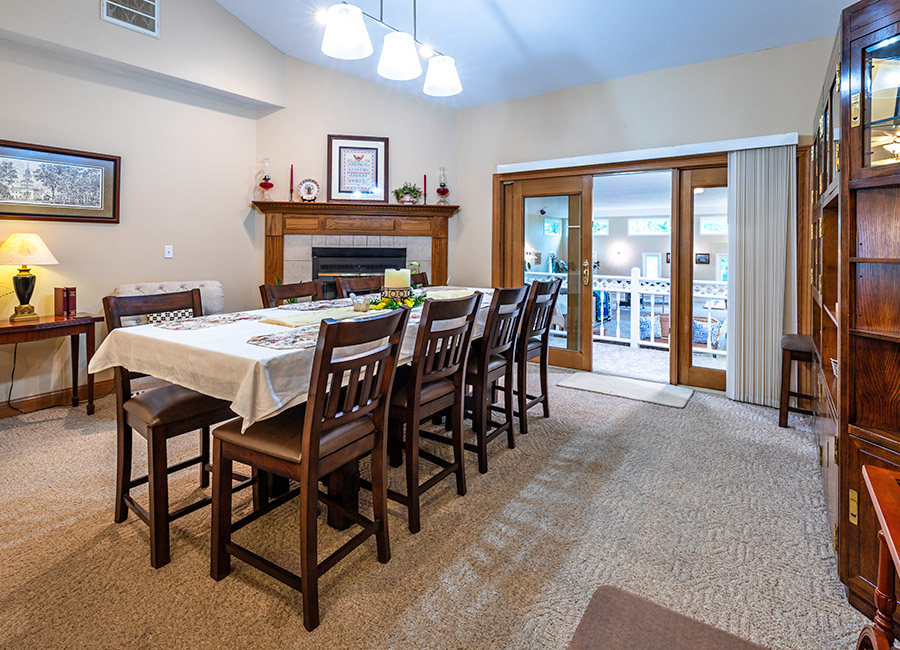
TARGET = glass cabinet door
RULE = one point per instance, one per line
(875, 103)
(881, 119)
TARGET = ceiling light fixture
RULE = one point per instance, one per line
(346, 38)
(345, 33)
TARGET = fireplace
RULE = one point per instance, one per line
(329, 263)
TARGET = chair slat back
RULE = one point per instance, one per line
(419, 280)
(542, 299)
(503, 323)
(345, 384)
(442, 341)
(360, 285)
(117, 308)
(272, 294)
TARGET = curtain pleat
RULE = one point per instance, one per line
(762, 300)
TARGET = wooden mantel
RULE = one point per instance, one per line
(297, 218)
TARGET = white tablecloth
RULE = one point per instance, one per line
(217, 361)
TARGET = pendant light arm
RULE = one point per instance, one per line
(380, 21)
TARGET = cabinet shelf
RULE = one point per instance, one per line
(881, 335)
(875, 260)
(834, 317)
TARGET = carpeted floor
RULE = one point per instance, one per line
(711, 511)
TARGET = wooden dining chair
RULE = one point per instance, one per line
(419, 279)
(339, 424)
(534, 342)
(490, 359)
(433, 383)
(159, 413)
(358, 285)
(274, 294)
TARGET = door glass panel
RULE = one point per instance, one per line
(881, 133)
(553, 250)
(709, 338)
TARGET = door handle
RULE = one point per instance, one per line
(586, 273)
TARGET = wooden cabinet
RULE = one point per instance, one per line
(854, 273)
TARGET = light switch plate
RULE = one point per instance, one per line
(169, 252)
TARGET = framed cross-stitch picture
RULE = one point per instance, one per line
(357, 169)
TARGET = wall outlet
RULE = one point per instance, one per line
(169, 252)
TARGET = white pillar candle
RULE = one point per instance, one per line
(396, 279)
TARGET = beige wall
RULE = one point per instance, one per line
(200, 43)
(422, 134)
(187, 168)
(763, 93)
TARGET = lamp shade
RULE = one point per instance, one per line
(345, 33)
(399, 60)
(442, 79)
(24, 249)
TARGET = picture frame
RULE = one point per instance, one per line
(702, 258)
(43, 183)
(358, 170)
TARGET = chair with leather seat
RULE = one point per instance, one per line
(490, 359)
(344, 419)
(274, 294)
(534, 342)
(359, 285)
(794, 347)
(433, 383)
(158, 413)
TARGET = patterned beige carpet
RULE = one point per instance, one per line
(711, 511)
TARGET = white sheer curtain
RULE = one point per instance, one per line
(762, 282)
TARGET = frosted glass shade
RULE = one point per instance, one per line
(442, 79)
(24, 249)
(399, 59)
(345, 33)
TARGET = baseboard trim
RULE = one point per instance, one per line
(57, 398)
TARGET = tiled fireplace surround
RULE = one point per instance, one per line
(298, 250)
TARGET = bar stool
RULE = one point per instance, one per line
(794, 347)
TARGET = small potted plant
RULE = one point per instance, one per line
(407, 194)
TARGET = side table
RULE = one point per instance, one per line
(50, 327)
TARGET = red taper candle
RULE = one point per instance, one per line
(425, 188)
(292, 177)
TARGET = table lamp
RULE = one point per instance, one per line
(24, 249)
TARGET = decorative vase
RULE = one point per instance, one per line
(407, 200)
(266, 182)
(442, 190)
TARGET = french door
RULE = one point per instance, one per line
(701, 262)
(548, 227)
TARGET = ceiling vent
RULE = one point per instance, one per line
(139, 15)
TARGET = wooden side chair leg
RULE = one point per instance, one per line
(379, 499)
(158, 512)
(123, 469)
(412, 473)
(545, 392)
(309, 564)
(785, 388)
(456, 418)
(220, 561)
(522, 389)
(508, 407)
(480, 424)
(204, 456)
(395, 443)
(260, 489)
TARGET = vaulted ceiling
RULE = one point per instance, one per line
(514, 48)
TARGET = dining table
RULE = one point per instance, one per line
(258, 360)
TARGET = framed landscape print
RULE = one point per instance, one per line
(52, 184)
(357, 169)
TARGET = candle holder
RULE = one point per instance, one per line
(266, 183)
(397, 293)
